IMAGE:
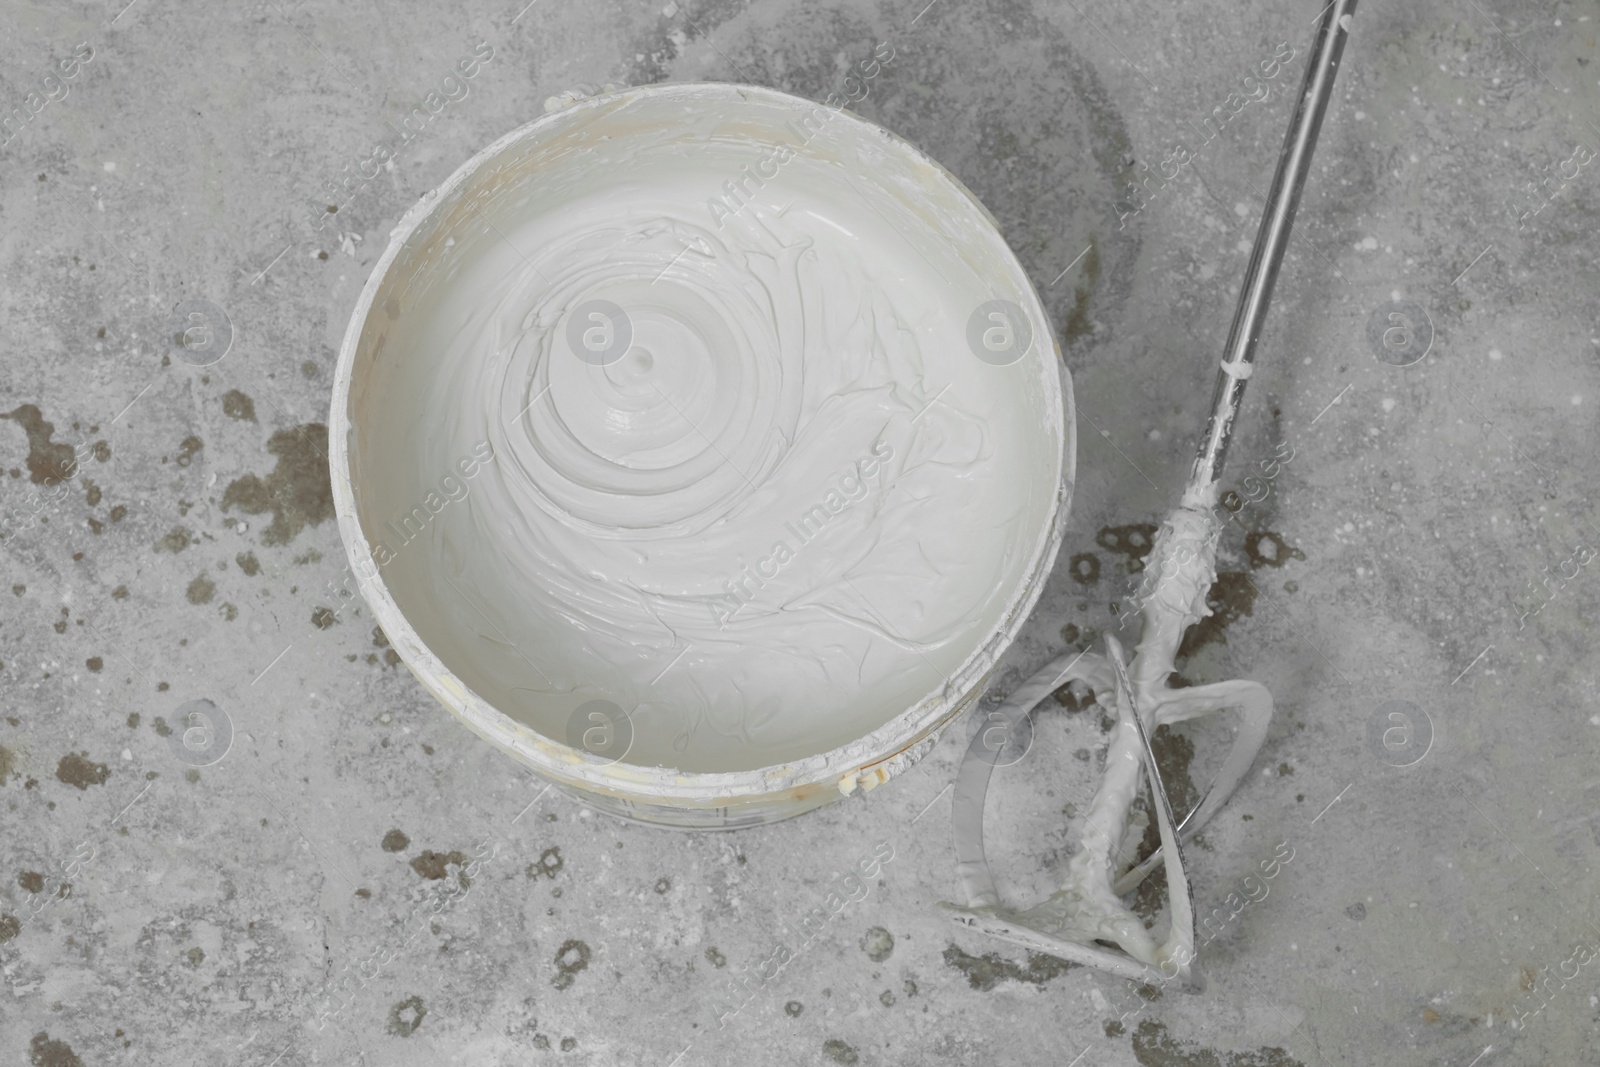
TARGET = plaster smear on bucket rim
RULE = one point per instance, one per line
(797, 505)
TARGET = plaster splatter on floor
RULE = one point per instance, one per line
(201, 590)
(48, 463)
(176, 540)
(839, 1052)
(1133, 541)
(298, 492)
(406, 1016)
(237, 405)
(76, 769)
(1268, 549)
(1154, 1047)
(434, 865)
(572, 957)
(1232, 596)
(989, 970)
(878, 944)
(43, 1052)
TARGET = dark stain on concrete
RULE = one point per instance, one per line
(297, 492)
(1075, 695)
(237, 405)
(323, 618)
(878, 944)
(48, 462)
(76, 769)
(433, 865)
(189, 448)
(1133, 541)
(1085, 568)
(1268, 549)
(839, 1052)
(793, 1009)
(10, 927)
(989, 970)
(1154, 1047)
(1078, 322)
(1232, 596)
(381, 640)
(95, 664)
(1450, 1024)
(8, 763)
(395, 841)
(548, 864)
(715, 957)
(91, 493)
(176, 541)
(43, 1052)
(201, 590)
(119, 512)
(248, 563)
(32, 881)
(572, 957)
(406, 1016)
(1174, 752)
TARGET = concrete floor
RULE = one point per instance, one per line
(352, 877)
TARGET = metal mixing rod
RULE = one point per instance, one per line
(1085, 920)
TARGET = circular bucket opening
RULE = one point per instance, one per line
(702, 447)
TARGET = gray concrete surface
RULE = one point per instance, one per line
(358, 880)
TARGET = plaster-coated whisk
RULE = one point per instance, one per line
(1085, 919)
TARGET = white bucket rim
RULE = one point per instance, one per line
(867, 760)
